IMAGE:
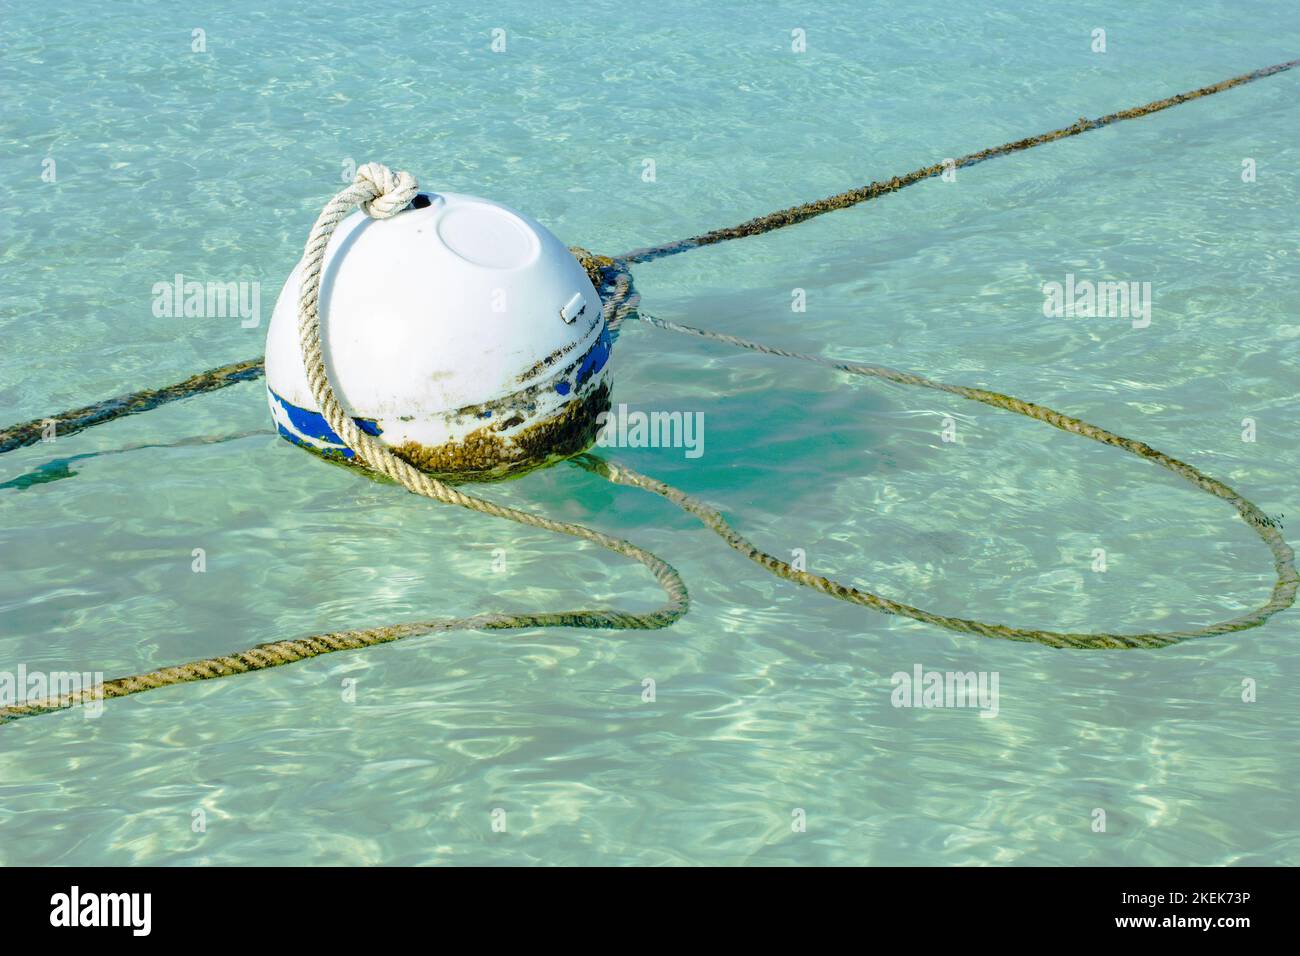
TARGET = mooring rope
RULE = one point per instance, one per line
(382, 193)
(71, 422)
(806, 211)
(1281, 598)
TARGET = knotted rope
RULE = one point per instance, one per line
(381, 194)
(70, 422)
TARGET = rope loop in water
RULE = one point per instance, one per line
(382, 193)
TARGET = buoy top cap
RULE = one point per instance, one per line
(485, 234)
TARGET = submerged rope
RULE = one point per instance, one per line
(621, 305)
(806, 211)
(1281, 598)
(71, 422)
(381, 194)
(78, 419)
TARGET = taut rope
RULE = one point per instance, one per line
(806, 211)
(75, 420)
(382, 193)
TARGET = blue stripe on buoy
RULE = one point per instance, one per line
(327, 451)
(591, 363)
(311, 424)
(596, 358)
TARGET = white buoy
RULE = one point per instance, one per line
(463, 334)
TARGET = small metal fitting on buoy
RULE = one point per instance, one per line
(574, 308)
(439, 332)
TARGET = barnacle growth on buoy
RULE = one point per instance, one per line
(463, 335)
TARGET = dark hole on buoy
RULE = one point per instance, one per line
(421, 201)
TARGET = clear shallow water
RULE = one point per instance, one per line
(769, 697)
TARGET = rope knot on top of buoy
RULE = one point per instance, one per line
(393, 191)
(382, 194)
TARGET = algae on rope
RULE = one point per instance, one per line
(381, 193)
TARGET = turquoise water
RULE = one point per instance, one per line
(769, 699)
